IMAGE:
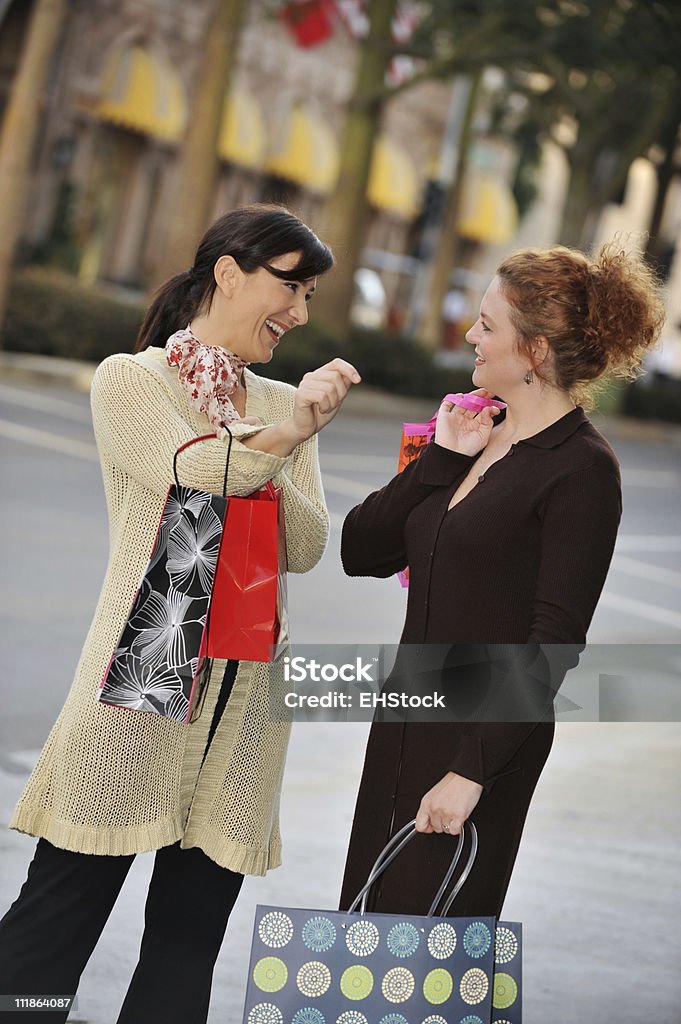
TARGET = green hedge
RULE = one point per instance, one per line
(51, 313)
(392, 362)
(654, 397)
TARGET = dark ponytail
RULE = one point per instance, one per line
(253, 235)
(174, 305)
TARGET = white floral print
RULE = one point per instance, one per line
(181, 500)
(159, 664)
(162, 624)
(138, 686)
(193, 552)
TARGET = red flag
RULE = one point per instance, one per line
(308, 20)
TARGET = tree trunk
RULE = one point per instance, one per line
(188, 214)
(346, 214)
(665, 175)
(445, 257)
(586, 195)
(578, 202)
(19, 129)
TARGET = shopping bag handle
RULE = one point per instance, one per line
(269, 486)
(395, 846)
(205, 437)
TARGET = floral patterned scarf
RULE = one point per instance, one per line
(209, 375)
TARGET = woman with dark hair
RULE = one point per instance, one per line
(507, 523)
(111, 783)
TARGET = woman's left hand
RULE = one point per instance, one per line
(448, 803)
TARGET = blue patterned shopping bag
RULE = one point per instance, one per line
(337, 967)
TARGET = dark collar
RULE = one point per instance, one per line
(559, 431)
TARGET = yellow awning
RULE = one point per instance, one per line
(242, 133)
(488, 210)
(306, 152)
(140, 90)
(393, 182)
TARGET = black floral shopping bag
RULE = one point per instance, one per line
(160, 663)
(336, 967)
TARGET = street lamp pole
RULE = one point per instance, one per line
(432, 228)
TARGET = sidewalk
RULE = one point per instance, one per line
(596, 883)
(25, 368)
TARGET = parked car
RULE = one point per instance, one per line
(370, 302)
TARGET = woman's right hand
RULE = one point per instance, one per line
(320, 395)
(462, 430)
(318, 398)
(446, 806)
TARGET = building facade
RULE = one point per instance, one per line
(120, 93)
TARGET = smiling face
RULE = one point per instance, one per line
(499, 366)
(258, 309)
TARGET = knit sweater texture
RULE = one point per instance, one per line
(116, 781)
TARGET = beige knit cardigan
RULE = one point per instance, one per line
(115, 781)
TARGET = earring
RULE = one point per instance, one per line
(529, 377)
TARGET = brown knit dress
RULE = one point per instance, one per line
(521, 561)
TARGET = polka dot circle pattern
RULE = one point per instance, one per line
(276, 929)
(438, 985)
(398, 985)
(474, 986)
(319, 934)
(362, 938)
(356, 982)
(352, 1017)
(477, 939)
(308, 1015)
(265, 1013)
(403, 939)
(313, 979)
(505, 946)
(270, 974)
(505, 991)
(442, 941)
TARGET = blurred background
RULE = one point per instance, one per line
(422, 140)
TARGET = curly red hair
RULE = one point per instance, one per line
(597, 315)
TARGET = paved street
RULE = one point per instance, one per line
(598, 878)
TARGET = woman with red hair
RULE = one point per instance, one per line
(507, 522)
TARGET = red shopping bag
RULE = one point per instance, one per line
(415, 437)
(248, 610)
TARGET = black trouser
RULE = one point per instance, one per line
(48, 934)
